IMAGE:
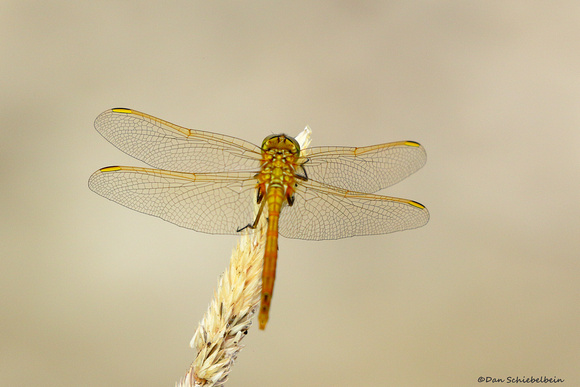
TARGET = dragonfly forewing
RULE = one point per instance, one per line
(164, 145)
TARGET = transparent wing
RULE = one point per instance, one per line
(367, 169)
(164, 145)
(324, 212)
(218, 203)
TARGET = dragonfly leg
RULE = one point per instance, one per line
(258, 215)
(301, 172)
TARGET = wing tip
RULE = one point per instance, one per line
(104, 117)
(98, 175)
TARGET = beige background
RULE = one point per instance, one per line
(93, 294)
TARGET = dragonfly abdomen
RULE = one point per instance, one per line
(275, 199)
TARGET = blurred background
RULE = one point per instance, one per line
(95, 294)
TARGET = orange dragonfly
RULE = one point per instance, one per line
(212, 183)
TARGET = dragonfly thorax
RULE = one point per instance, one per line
(280, 154)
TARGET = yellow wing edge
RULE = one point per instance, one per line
(406, 201)
(186, 176)
(362, 150)
(359, 195)
(180, 129)
(160, 172)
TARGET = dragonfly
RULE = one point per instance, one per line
(213, 183)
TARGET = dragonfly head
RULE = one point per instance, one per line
(281, 142)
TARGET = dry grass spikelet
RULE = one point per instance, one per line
(229, 316)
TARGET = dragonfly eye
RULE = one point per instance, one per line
(266, 143)
(281, 143)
